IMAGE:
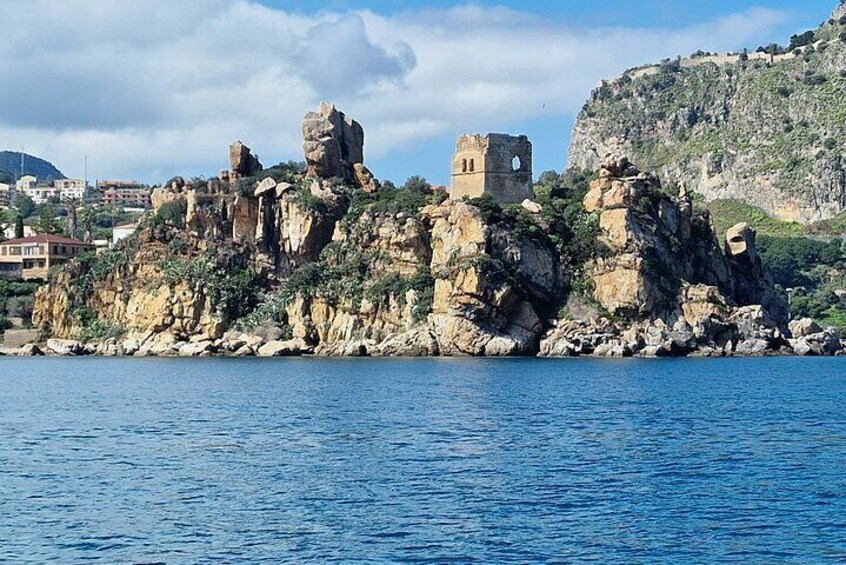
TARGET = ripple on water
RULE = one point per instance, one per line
(423, 461)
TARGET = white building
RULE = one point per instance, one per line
(70, 188)
(41, 194)
(123, 231)
(26, 182)
(9, 233)
(7, 193)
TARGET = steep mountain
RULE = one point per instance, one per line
(10, 163)
(766, 128)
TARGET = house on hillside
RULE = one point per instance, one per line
(123, 231)
(25, 183)
(42, 193)
(32, 257)
(70, 189)
(124, 194)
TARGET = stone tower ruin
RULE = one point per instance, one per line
(497, 164)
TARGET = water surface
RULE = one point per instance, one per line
(423, 461)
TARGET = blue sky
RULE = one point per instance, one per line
(174, 83)
(550, 134)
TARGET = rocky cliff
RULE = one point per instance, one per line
(287, 260)
(767, 128)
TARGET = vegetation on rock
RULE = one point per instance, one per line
(768, 129)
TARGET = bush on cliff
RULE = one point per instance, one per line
(231, 289)
(408, 199)
(16, 298)
(171, 214)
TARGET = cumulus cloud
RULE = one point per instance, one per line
(156, 88)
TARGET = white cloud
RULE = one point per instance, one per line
(156, 88)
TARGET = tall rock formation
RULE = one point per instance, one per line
(766, 128)
(658, 247)
(241, 160)
(286, 262)
(334, 147)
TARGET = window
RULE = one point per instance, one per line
(464, 165)
(472, 165)
(516, 164)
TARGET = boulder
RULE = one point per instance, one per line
(822, 343)
(740, 242)
(364, 179)
(355, 348)
(804, 328)
(752, 347)
(283, 188)
(242, 161)
(31, 350)
(195, 349)
(332, 143)
(531, 206)
(418, 342)
(64, 346)
(290, 348)
(265, 187)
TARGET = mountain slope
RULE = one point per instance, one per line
(767, 128)
(10, 162)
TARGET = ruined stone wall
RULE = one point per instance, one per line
(499, 165)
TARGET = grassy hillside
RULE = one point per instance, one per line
(727, 213)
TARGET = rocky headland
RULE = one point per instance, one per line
(763, 128)
(324, 259)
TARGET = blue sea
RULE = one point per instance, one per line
(423, 461)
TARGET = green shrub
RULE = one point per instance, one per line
(231, 289)
(172, 214)
(98, 330)
(20, 306)
(790, 260)
(391, 200)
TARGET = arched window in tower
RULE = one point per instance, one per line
(464, 165)
(516, 164)
(472, 165)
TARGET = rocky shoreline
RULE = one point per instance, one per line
(568, 339)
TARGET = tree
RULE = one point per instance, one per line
(7, 220)
(47, 222)
(73, 220)
(87, 218)
(24, 205)
(19, 227)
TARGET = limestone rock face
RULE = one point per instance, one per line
(242, 161)
(349, 273)
(333, 143)
(475, 311)
(690, 118)
(657, 248)
(162, 195)
(135, 297)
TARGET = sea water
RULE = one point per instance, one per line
(423, 461)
